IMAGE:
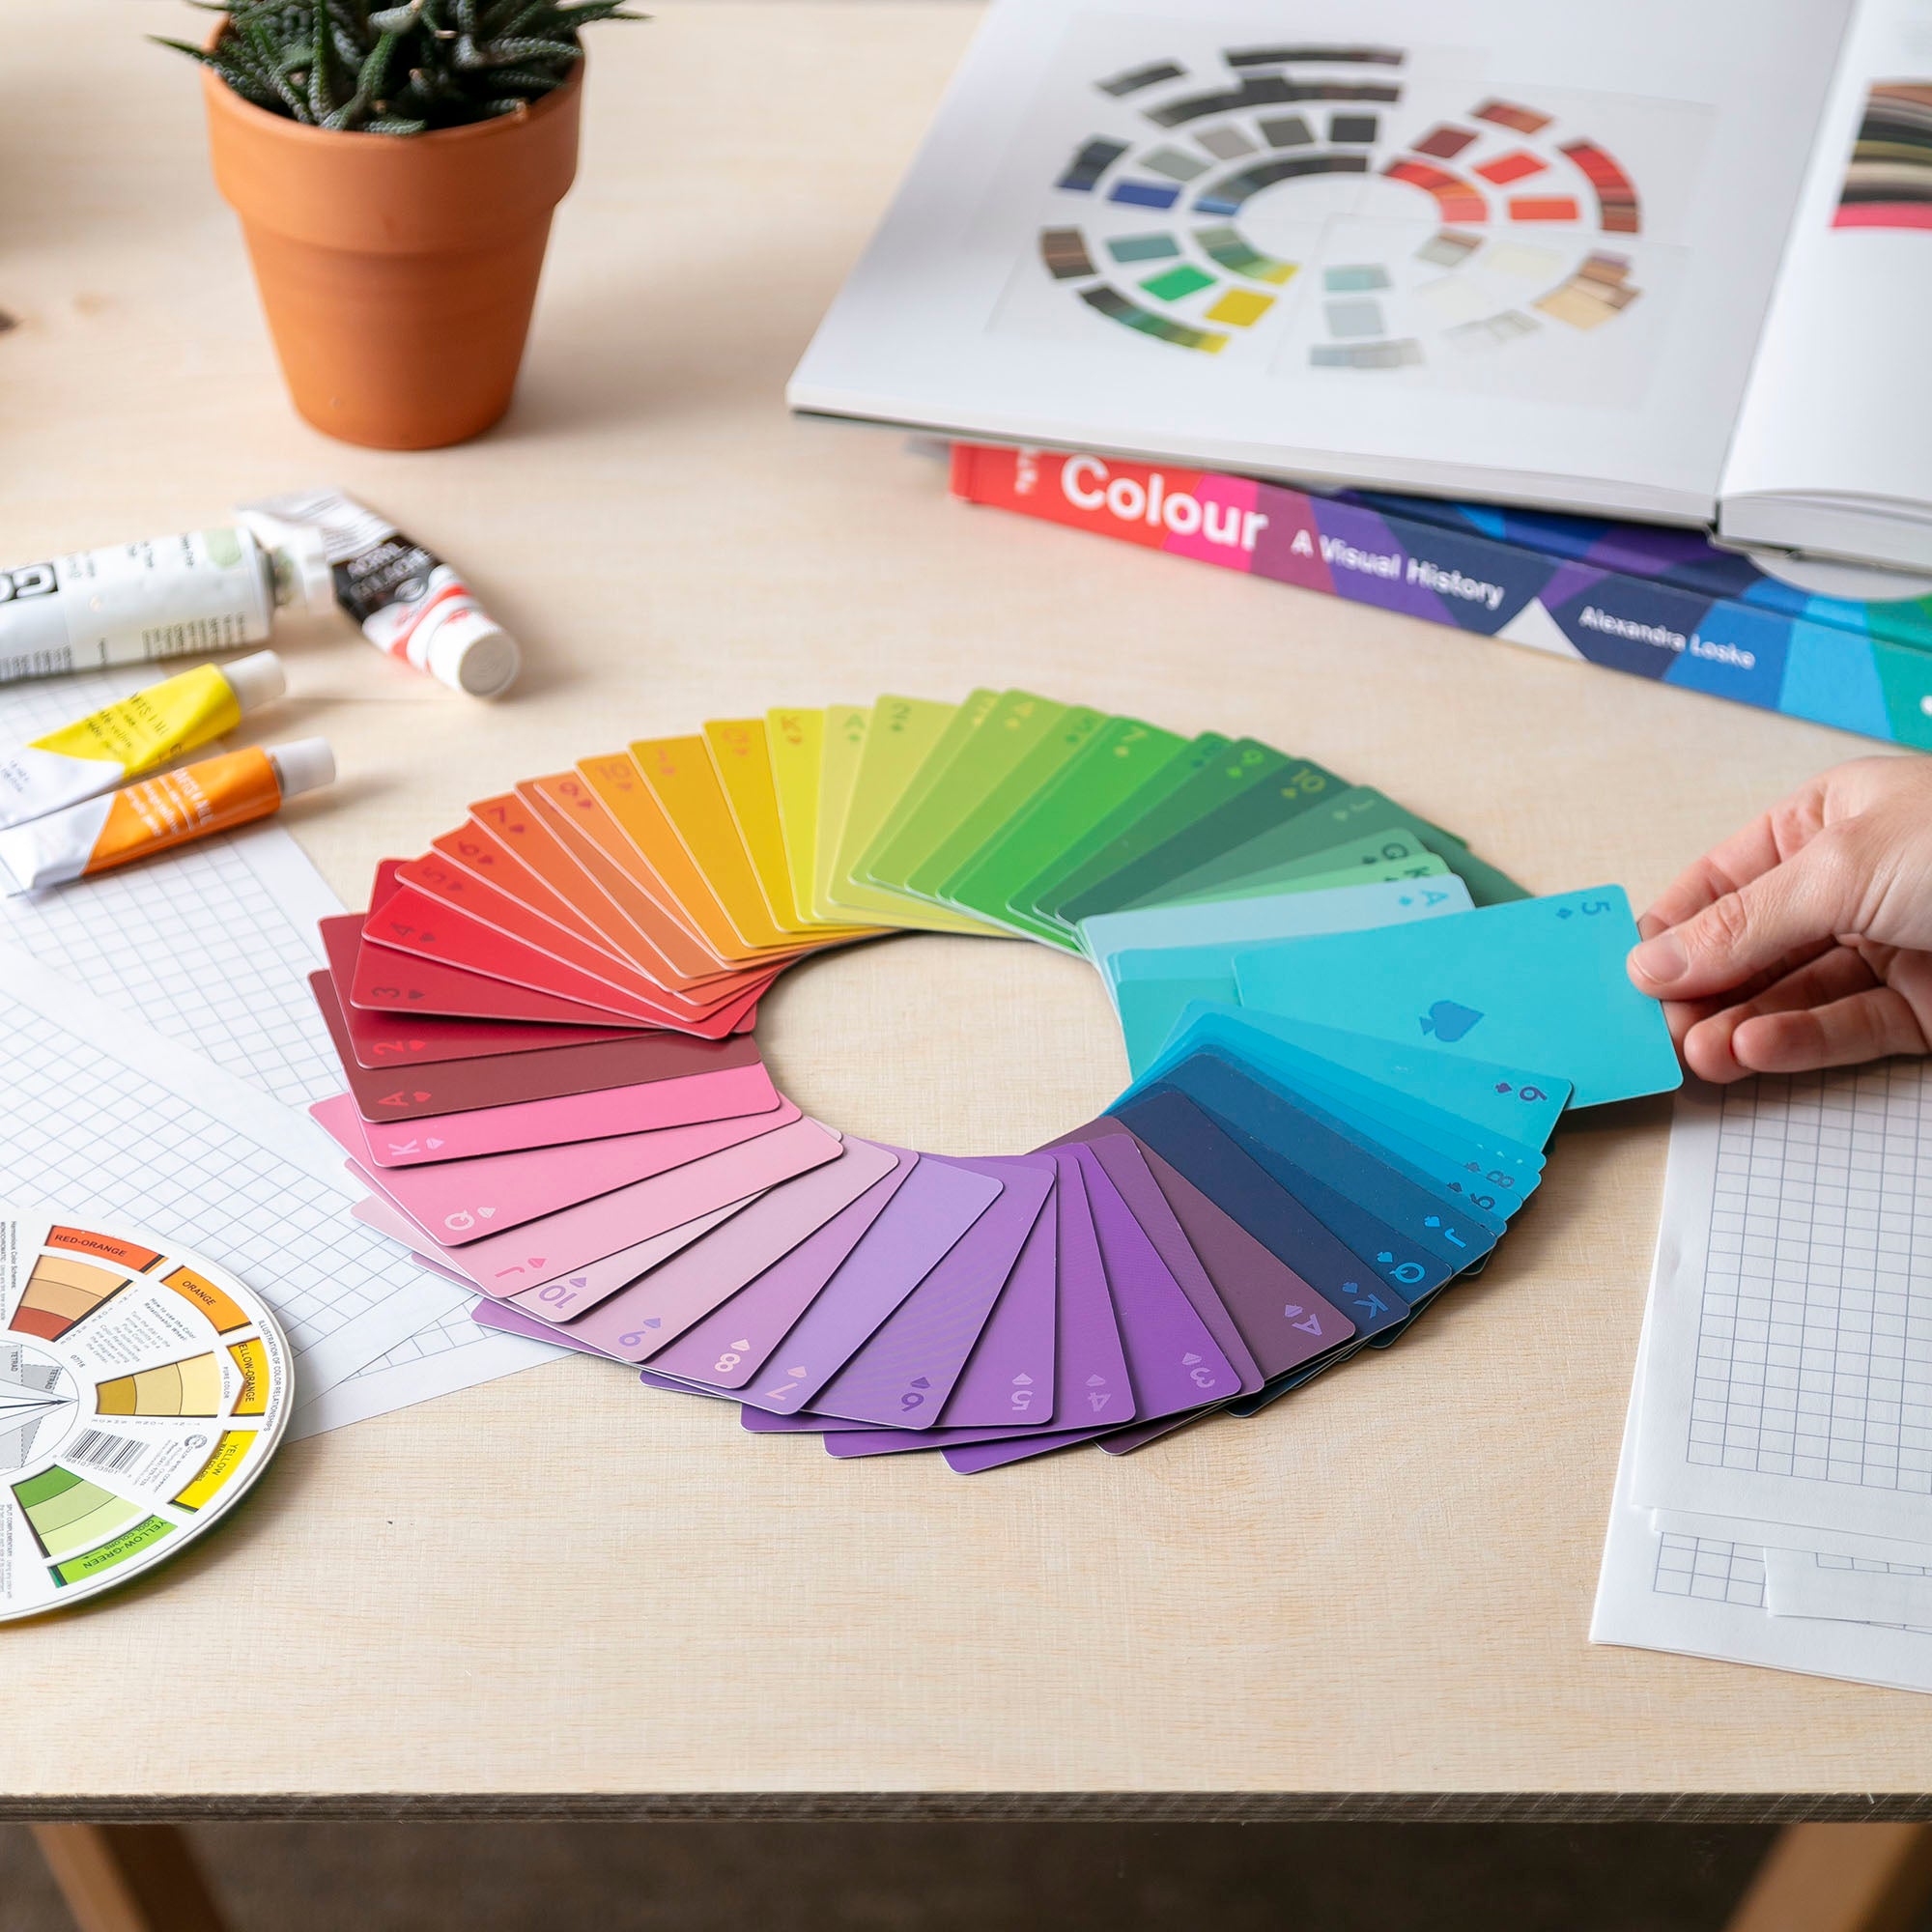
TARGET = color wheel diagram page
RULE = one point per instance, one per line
(1531, 265)
(1834, 450)
(101, 1105)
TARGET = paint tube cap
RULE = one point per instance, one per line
(470, 651)
(256, 680)
(302, 764)
(310, 577)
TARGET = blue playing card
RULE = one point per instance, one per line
(1539, 982)
(1412, 1239)
(1195, 1147)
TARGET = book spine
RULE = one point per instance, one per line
(1470, 582)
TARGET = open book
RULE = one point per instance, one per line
(1668, 260)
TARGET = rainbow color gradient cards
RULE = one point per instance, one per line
(1351, 1041)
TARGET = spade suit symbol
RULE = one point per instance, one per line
(1449, 1020)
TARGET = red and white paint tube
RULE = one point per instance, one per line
(142, 819)
(409, 602)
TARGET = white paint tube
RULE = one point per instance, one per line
(166, 597)
(409, 602)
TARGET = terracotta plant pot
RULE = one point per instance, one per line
(398, 271)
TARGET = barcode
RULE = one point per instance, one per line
(100, 1451)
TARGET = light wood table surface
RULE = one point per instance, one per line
(562, 1592)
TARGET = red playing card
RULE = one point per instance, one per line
(412, 1039)
(408, 932)
(461, 1086)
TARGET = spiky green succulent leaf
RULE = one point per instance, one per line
(397, 69)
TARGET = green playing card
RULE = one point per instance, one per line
(1120, 757)
(1017, 721)
(1035, 898)
(900, 739)
(982, 824)
(1292, 789)
(1354, 813)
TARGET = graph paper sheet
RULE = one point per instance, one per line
(104, 1114)
(210, 945)
(442, 1356)
(1773, 1497)
(1791, 1369)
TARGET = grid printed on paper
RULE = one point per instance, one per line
(1709, 1570)
(1814, 1354)
(194, 943)
(137, 1149)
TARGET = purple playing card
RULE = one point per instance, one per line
(1008, 1381)
(756, 1320)
(908, 1368)
(1089, 1373)
(1283, 1321)
(1120, 1158)
(938, 1204)
(1172, 1359)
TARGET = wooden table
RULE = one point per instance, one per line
(560, 1594)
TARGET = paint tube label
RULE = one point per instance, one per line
(141, 819)
(423, 606)
(94, 753)
(201, 590)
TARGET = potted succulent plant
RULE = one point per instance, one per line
(395, 169)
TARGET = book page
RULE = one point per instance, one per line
(1509, 251)
(1840, 402)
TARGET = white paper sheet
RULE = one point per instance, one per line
(1791, 1379)
(105, 1115)
(212, 947)
(1769, 1507)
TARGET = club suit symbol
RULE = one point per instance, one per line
(1449, 1020)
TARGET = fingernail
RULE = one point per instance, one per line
(1660, 959)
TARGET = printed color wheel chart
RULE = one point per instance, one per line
(1487, 226)
(142, 1391)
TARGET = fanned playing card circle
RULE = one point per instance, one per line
(143, 1388)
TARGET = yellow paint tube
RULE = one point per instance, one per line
(149, 817)
(138, 733)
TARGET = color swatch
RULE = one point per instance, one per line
(1203, 156)
(142, 1391)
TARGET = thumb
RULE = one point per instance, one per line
(1805, 900)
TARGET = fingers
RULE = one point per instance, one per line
(1868, 1026)
(1709, 1044)
(1807, 899)
(1743, 856)
(1746, 855)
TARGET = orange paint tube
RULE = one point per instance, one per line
(159, 812)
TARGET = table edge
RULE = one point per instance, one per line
(1176, 1807)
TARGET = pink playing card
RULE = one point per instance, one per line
(461, 1200)
(573, 1116)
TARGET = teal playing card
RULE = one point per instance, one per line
(1240, 923)
(1537, 984)
(1493, 1175)
(1485, 1096)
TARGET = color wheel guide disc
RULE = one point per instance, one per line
(142, 1391)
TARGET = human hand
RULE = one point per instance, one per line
(1805, 939)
